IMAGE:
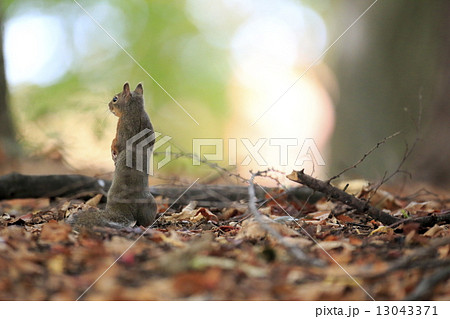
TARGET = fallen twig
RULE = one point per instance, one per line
(339, 195)
(411, 261)
(296, 252)
(425, 221)
(424, 289)
(363, 206)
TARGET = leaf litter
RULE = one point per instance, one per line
(202, 253)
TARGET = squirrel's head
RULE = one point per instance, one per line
(122, 101)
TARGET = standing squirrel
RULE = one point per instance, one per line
(129, 200)
(129, 108)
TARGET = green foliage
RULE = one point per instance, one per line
(159, 35)
(405, 214)
(36, 102)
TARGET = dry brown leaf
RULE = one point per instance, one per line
(251, 229)
(345, 219)
(190, 207)
(64, 207)
(93, 202)
(206, 213)
(429, 206)
(322, 215)
(444, 251)
(56, 264)
(409, 238)
(196, 282)
(202, 262)
(381, 229)
(355, 186)
(235, 210)
(383, 199)
(187, 213)
(434, 231)
(329, 245)
(173, 239)
(55, 232)
(299, 242)
(325, 205)
(355, 241)
(266, 210)
(117, 245)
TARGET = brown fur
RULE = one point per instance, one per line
(129, 108)
(129, 199)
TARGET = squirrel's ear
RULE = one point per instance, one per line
(126, 88)
(139, 89)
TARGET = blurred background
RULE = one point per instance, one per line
(252, 73)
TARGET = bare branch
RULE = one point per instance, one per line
(424, 289)
(345, 198)
(364, 156)
(425, 221)
(384, 180)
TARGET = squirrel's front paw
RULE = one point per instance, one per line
(114, 155)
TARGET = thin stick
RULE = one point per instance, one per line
(345, 198)
(424, 289)
(296, 252)
(364, 156)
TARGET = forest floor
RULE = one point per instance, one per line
(199, 253)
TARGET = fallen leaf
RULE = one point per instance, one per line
(325, 205)
(172, 239)
(202, 262)
(299, 242)
(93, 202)
(55, 232)
(332, 238)
(285, 219)
(429, 206)
(381, 229)
(196, 282)
(329, 245)
(56, 264)
(444, 251)
(251, 229)
(230, 212)
(355, 241)
(207, 214)
(433, 231)
(345, 219)
(319, 215)
(187, 213)
(355, 186)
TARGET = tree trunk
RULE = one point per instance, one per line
(432, 156)
(393, 60)
(8, 144)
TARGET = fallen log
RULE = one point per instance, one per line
(17, 185)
